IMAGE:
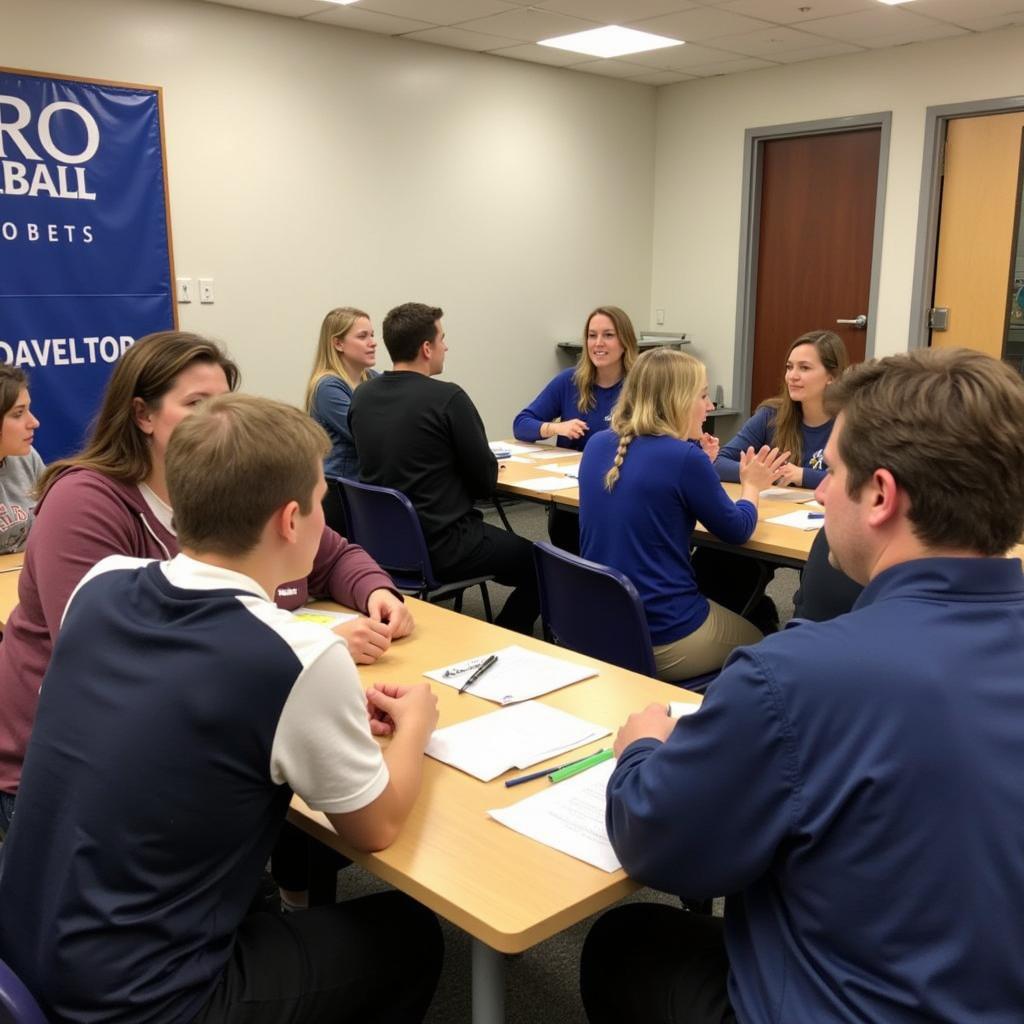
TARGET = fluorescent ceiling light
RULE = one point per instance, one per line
(610, 41)
(342, 1)
(893, 3)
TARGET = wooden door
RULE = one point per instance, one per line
(816, 233)
(973, 267)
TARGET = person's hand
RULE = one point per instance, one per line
(572, 429)
(394, 708)
(791, 476)
(384, 606)
(762, 468)
(710, 444)
(653, 722)
(367, 639)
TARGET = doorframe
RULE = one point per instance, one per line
(750, 223)
(926, 250)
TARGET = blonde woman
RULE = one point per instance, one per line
(578, 403)
(643, 486)
(345, 357)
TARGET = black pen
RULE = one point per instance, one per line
(520, 779)
(491, 659)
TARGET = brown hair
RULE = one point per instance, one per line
(236, 461)
(148, 371)
(406, 327)
(328, 362)
(585, 375)
(789, 415)
(657, 398)
(949, 426)
(12, 380)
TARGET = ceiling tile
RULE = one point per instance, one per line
(731, 67)
(700, 24)
(438, 12)
(993, 21)
(980, 15)
(527, 24)
(662, 78)
(291, 8)
(616, 12)
(767, 42)
(682, 58)
(368, 21)
(542, 55)
(790, 12)
(610, 68)
(460, 39)
(826, 49)
(886, 26)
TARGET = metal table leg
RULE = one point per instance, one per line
(488, 984)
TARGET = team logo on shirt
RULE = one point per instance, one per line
(817, 460)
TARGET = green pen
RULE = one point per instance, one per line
(581, 766)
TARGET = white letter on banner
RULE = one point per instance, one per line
(23, 356)
(90, 344)
(108, 349)
(13, 128)
(126, 342)
(15, 182)
(42, 182)
(92, 133)
(60, 351)
(5, 352)
(42, 354)
(9, 230)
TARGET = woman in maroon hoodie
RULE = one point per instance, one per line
(111, 499)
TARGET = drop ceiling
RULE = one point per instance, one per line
(722, 36)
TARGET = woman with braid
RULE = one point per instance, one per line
(643, 486)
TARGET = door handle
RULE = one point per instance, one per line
(859, 322)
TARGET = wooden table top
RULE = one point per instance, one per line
(502, 888)
(784, 543)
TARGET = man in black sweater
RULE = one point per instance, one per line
(424, 437)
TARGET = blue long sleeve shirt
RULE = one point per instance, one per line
(854, 788)
(643, 527)
(331, 403)
(560, 400)
(760, 430)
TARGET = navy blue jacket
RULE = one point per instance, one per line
(855, 788)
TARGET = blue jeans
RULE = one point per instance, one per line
(6, 812)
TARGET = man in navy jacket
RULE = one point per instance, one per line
(853, 786)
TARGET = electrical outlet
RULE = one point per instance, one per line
(206, 290)
(659, 317)
(185, 292)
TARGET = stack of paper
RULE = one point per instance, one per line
(799, 520)
(568, 816)
(517, 675)
(512, 449)
(555, 453)
(515, 737)
(546, 483)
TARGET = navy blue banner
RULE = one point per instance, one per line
(85, 264)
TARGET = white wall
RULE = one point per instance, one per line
(699, 169)
(312, 166)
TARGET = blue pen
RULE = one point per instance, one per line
(815, 515)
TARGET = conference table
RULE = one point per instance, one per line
(781, 545)
(10, 572)
(506, 891)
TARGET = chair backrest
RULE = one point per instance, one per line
(384, 522)
(592, 609)
(16, 1003)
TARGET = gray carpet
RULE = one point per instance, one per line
(542, 983)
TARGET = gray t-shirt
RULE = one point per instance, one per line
(18, 475)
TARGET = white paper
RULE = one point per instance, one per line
(323, 617)
(517, 675)
(545, 483)
(798, 520)
(568, 816)
(519, 459)
(570, 471)
(512, 449)
(515, 737)
(679, 708)
(778, 494)
(812, 503)
(556, 453)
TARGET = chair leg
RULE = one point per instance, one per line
(502, 517)
(487, 600)
(458, 600)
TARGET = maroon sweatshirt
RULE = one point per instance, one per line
(86, 516)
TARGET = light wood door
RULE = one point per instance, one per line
(976, 221)
(815, 240)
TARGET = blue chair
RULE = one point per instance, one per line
(384, 522)
(16, 1003)
(595, 610)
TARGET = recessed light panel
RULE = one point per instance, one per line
(893, 3)
(610, 41)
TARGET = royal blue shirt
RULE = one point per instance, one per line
(560, 400)
(332, 400)
(643, 526)
(760, 430)
(855, 788)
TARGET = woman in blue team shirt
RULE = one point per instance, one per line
(643, 486)
(578, 402)
(795, 420)
(345, 355)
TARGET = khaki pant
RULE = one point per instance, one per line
(706, 648)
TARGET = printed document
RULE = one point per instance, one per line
(798, 520)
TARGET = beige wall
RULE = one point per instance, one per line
(311, 166)
(699, 169)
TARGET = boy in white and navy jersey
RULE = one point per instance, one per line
(180, 712)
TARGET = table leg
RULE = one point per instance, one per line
(488, 984)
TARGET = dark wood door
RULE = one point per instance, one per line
(815, 242)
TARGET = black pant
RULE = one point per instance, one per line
(299, 863)
(564, 529)
(374, 960)
(509, 559)
(652, 963)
